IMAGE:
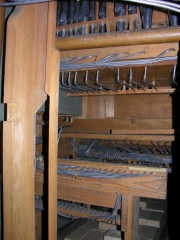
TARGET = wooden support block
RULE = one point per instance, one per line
(132, 229)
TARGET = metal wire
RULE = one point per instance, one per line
(113, 60)
(166, 5)
(11, 3)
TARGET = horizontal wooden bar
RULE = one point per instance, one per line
(152, 183)
(113, 39)
(145, 131)
(120, 136)
(126, 92)
(78, 194)
(112, 167)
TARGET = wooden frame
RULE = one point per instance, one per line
(32, 74)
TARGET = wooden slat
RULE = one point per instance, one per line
(145, 131)
(119, 137)
(24, 94)
(151, 185)
(52, 86)
(105, 125)
(78, 194)
(161, 90)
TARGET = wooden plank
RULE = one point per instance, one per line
(161, 90)
(52, 86)
(78, 194)
(132, 218)
(145, 131)
(105, 125)
(119, 137)
(124, 213)
(2, 11)
(150, 185)
(151, 106)
(24, 94)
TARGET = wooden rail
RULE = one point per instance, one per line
(152, 36)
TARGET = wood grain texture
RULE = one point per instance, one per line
(2, 10)
(132, 218)
(52, 81)
(114, 39)
(24, 94)
(149, 107)
(152, 184)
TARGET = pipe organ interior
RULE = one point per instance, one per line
(116, 64)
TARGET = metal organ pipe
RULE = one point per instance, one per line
(120, 10)
(102, 14)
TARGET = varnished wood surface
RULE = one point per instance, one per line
(24, 94)
(119, 137)
(114, 39)
(52, 77)
(1, 25)
(152, 184)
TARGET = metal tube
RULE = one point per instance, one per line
(64, 13)
(120, 10)
(146, 13)
(92, 9)
(71, 11)
(152, 36)
(102, 14)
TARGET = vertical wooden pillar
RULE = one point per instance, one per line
(1, 25)
(130, 217)
(24, 93)
(52, 89)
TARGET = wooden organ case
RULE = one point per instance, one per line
(124, 67)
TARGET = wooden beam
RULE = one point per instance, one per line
(145, 132)
(119, 137)
(114, 39)
(152, 184)
(1, 25)
(132, 230)
(24, 94)
(52, 81)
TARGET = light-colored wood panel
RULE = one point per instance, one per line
(96, 107)
(52, 86)
(148, 107)
(24, 94)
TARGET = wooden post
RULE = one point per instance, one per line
(1, 25)
(130, 217)
(52, 89)
(24, 93)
